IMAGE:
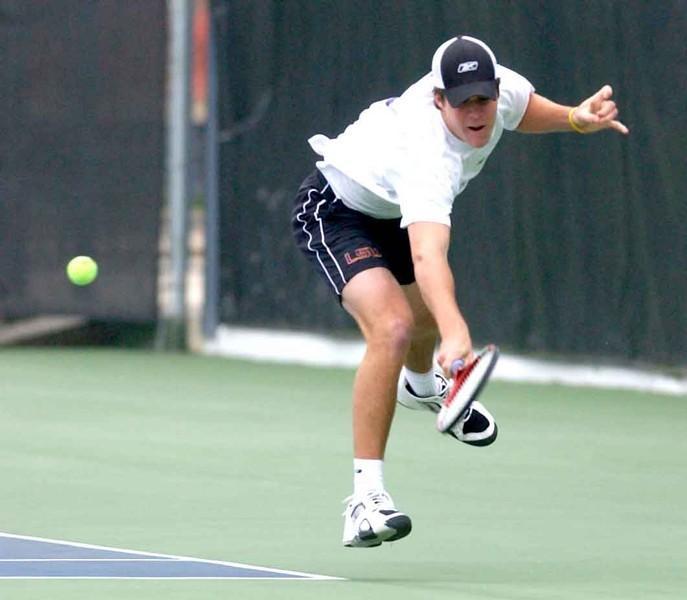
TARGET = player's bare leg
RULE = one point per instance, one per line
(377, 303)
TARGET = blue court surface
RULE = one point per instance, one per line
(25, 557)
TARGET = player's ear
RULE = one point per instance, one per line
(439, 98)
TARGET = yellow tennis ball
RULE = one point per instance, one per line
(82, 270)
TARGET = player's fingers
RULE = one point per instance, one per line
(597, 100)
(618, 126)
(450, 365)
(446, 368)
(445, 364)
(608, 110)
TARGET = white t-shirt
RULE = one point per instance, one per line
(400, 160)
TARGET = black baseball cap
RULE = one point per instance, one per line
(463, 67)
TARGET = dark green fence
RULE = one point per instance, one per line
(565, 243)
(82, 90)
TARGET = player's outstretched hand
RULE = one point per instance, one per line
(452, 351)
(598, 112)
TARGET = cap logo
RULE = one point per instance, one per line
(470, 65)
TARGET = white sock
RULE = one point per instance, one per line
(423, 384)
(368, 474)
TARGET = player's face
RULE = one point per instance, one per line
(472, 121)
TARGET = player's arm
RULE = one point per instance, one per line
(596, 113)
(429, 244)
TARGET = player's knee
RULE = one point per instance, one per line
(395, 333)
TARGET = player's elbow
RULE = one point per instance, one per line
(419, 258)
(427, 256)
(429, 267)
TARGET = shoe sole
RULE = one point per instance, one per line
(398, 528)
(435, 408)
(402, 526)
(483, 442)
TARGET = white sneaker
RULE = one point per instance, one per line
(407, 397)
(476, 428)
(371, 519)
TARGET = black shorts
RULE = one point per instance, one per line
(340, 242)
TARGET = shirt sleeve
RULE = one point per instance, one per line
(514, 96)
(425, 211)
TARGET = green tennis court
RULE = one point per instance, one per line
(582, 496)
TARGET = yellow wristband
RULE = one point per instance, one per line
(574, 125)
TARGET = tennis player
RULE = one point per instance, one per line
(374, 220)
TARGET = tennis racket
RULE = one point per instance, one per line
(468, 382)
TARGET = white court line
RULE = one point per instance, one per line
(136, 560)
(319, 350)
(309, 576)
(129, 578)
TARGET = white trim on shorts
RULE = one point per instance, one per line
(324, 243)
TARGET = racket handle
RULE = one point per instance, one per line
(457, 365)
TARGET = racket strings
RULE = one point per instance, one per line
(459, 379)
